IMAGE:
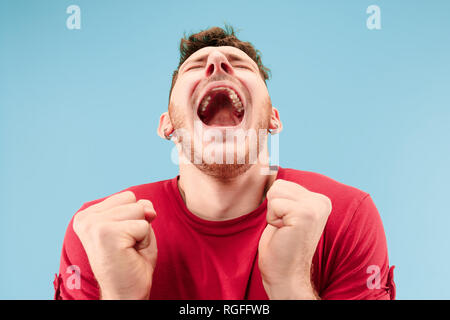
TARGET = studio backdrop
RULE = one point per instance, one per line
(362, 87)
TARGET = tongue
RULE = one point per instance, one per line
(223, 117)
(220, 112)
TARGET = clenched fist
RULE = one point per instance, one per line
(120, 245)
(296, 219)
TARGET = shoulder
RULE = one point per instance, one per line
(148, 191)
(339, 193)
(351, 207)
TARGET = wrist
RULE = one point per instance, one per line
(291, 290)
(111, 295)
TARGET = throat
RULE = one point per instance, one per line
(212, 200)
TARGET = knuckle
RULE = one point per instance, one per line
(323, 204)
(76, 224)
(129, 195)
(101, 230)
(143, 224)
(269, 194)
(310, 215)
(275, 203)
(145, 203)
(129, 207)
(89, 227)
(280, 183)
(327, 205)
(277, 183)
(79, 223)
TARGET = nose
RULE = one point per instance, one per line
(218, 63)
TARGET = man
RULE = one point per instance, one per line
(229, 226)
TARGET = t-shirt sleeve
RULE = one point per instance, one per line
(75, 280)
(360, 268)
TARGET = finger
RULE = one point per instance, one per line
(146, 241)
(114, 201)
(286, 189)
(143, 209)
(149, 249)
(149, 210)
(278, 210)
(137, 230)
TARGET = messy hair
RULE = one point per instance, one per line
(215, 37)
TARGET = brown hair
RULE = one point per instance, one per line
(215, 37)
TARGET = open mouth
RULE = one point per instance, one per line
(221, 107)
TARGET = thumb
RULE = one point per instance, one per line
(275, 212)
(147, 247)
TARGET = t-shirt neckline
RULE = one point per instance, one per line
(218, 227)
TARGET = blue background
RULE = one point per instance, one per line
(79, 110)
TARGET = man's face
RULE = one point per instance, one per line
(219, 89)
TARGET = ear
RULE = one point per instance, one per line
(165, 127)
(275, 123)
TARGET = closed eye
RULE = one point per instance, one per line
(194, 67)
(243, 67)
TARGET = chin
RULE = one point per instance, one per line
(223, 172)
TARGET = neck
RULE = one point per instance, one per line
(213, 199)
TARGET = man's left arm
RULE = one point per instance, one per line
(296, 219)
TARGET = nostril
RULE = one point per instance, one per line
(225, 67)
(210, 70)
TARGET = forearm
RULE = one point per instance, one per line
(291, 290)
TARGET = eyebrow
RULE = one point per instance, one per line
(230, 56)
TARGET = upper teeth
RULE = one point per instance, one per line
(231, 93)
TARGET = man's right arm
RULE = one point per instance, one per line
(109, 251)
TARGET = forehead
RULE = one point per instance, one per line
(228, 51)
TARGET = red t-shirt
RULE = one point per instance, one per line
(200, 259)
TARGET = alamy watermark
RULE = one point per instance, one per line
(74, 280)
(73, 22)
(225, 146)
(373, 22)
(373, 281)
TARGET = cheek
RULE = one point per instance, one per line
(260, 105)
(181, 106)
(256, 88)
(259, 97)
(184, 89)
(260, 92)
